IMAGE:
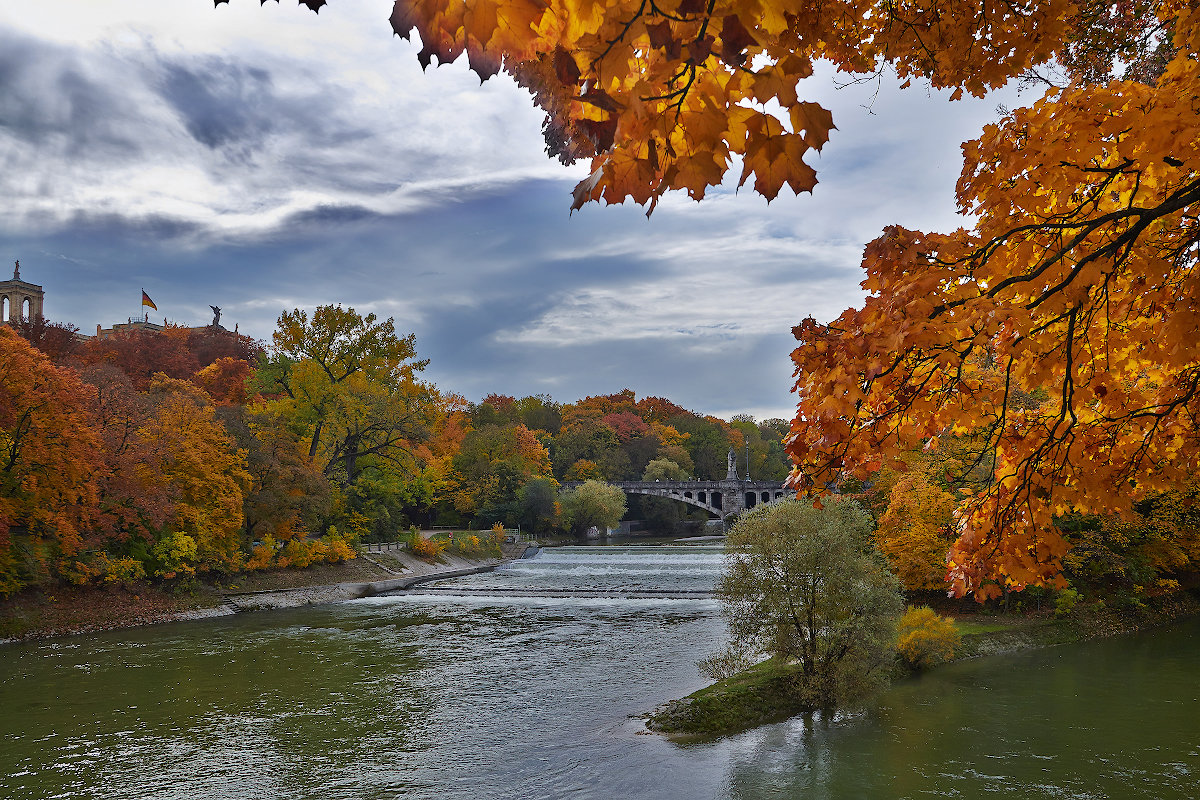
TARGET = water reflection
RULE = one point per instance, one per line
(1118, 718)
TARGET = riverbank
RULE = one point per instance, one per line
(764, 693)
(67, 610)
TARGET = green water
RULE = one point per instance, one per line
(445, 696)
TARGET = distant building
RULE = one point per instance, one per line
(20, 299)
(129, 327)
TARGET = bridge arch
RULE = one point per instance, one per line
(721, 499)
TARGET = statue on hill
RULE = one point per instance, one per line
(216, 323)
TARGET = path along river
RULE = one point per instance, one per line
(490, 694)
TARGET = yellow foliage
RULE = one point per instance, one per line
(262, 556)
(190, 453)
(915, 531)
(428, 549)
(337, 549)
(926, 639)
(120, 570)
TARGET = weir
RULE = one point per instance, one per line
(587, 593)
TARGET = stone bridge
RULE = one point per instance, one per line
(722, 499)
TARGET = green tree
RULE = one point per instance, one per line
(805, 584)
(352, 381)
(538, 505)
(662, 513)
(707, 443)
(588, 439)
(492, 465)
(592, 504)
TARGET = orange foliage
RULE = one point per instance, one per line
(916, 530)
(1079, 281)
(668, 96)
(224, 380)
(428, 549)
(584, 470)
(48, 452)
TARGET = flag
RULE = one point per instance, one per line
(146, 301)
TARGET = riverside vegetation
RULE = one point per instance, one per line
(154, 463)
(816, 623)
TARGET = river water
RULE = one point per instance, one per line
(527, 682)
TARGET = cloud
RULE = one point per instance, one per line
(263, 159)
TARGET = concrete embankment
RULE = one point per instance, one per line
(67, 610)
(408, 569)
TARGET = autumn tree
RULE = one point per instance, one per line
(224, 380)
(1079, 280)
(353, 381)
(143, 353)
(492, 466)
(47, 452)
(916, 530)
(1126, 559)
(131, 510)
(190, 454)
(286, 495)
(59, 340)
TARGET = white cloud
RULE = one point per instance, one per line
(269, 158)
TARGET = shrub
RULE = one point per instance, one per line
(1065, 602)
(926, 639)
(338, 549)
(121, 570)
(262, 555)
(428, 549)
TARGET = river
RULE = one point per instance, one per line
(475, 689)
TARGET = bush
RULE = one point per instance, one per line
(263, 554)
(296, 553)
(1065, 602)
(338, 549)
(428, 549)
(926, 639)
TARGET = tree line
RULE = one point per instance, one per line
(163, 454)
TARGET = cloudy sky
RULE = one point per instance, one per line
(263, 159)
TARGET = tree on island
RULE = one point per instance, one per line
(806, 586)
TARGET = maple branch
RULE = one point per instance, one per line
(1178, 200)
(619, 37)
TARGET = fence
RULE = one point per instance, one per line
(382, 547)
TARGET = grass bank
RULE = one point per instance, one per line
(766, 693)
